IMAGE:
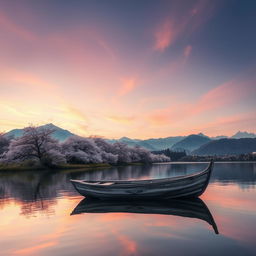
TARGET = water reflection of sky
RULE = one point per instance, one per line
(35, 216)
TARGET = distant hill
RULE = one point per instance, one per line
(240, 135)
(219, 137)
(15, 133)
(227, 147)
(163, 143)
(191, 142)
(133, 143)
(58, 134)
(150, 144)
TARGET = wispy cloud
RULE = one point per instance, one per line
(127, 86)
(225, 94)
(164, 35)
(225, 125)
(75, 113)
(187, 51)
(9, 26)
(160, 117)
(222, 97)
(181, 22)
(25, 78)
(121, 119)
(130, 246)
(35, 249)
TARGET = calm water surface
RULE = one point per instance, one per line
(42, 214)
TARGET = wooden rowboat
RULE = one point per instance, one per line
(192, 185)
(188, 208)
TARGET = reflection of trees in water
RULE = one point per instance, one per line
(2, 193)
(3, 202)
(38, 191)
(139, 172)
(34, 191)
(242, 174)
(43, 206)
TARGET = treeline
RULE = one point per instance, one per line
(37, 147)
(174, 155)
(241, 157)
(182, 156)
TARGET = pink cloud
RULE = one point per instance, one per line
(180, 23)
(25, 78)
(8, 25)
(187, 51)
(164, 36)
(76, 113)
(121, 119)
(225, 95)
(229, 124)
(35, 249)
(84, 51)
(128, 85)
(130, 246)
(160, 117)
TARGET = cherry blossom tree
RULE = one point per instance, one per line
(4, 143)
(35, 144)
(79, 150)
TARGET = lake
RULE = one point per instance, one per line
(42, 214)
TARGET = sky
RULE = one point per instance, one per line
(141, 69)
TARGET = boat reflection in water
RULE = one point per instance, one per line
(190, 208)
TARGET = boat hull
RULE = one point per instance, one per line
(181, 187)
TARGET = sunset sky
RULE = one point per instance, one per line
(129, 68)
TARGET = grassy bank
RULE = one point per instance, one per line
(24, 167)
(16, 167)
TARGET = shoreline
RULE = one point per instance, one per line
(204, 162)
(18, 168)
(81, 167)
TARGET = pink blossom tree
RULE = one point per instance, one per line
(4, 143)
(37, 145)
(81, 150)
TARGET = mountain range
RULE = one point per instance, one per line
(151, 144)
(227, 147)
(194, 143)
(191, 142)
(58, 134)
(241, 135)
